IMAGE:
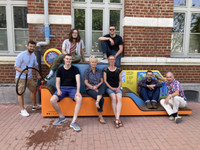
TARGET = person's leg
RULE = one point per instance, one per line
(31, 85)
(54, 102)
(167, 107)
(144, 94)
(21, 101)
(119, 105)
(156, 95)
(20, 98)
(178, 102)
(97, 97)
(78, 100)
(105, 49)
(57, 61)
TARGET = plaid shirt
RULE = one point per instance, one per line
(175, 86)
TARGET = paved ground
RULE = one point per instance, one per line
(140, 133)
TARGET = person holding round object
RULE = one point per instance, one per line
(95, 87)
(113, 80)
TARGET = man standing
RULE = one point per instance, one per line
(150, 90)
(112, 44)
(67, 84)
(175, 99)
(24, 59)
(74, 46)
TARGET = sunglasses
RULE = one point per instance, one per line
(112, 29)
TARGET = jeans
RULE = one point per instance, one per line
(94, 94)
(106, 50)
(150, 95)
(174, 104)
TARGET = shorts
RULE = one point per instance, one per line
(31, 85)
(66, 91)
(109, 91)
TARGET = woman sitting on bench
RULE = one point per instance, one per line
(112, 78)
(95, 87)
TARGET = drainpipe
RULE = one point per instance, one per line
(46, 33)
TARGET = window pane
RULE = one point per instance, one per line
(20, 18)
(82, 35)
(3, 40)
(115, 1)
(195, 34)
(2, 17)
(79, 19)
(21, 39)
(97, 19)
(178, 32)
(115, 18)
(179, 2)
(196, 3)
(97, 0)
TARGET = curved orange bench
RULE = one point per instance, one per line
(129, 107)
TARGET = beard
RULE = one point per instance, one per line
(30, 51)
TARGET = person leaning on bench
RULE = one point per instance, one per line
(175, 99)
(95, 87)
(150, 90)
(113, 79)
(67, 84)
(74, 46)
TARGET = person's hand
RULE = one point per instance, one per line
(26, 71)
(151, 87)
(39, 77)
(118, 89)
(59, 93)
(111, 41)
(156, 75)
(167, 100)
(95, 87)
(78, 94)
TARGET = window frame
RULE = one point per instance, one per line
(88, 6)
(10, 4)
(188, 9)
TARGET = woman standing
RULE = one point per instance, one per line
(95, 87)
(112, 78)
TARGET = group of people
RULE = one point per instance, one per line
(97, 82)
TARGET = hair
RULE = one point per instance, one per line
(78, 39)
(93, 57)
(31, 42)
(149, 71)
(111, 56)
(112, 26)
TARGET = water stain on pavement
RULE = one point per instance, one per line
(48, 134)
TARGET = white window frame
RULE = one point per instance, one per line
(106, 6)
(188, 10)
(10, 4)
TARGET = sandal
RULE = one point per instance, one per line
(116, 122)
(120, 123)
(102, 121)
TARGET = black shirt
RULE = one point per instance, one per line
(67, 77)
(117, 41)
(113, 77)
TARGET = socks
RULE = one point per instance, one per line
(51, 72)
(174, 115)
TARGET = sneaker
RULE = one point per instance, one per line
(36, 108)
(47, 78)
(24, 113)
(154, 105)
(59, 121)
(148, 104)
(171, 118)
(104, 60)
(178, 119)
(75, 126)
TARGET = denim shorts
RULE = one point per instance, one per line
(109, 91)
(66, 91)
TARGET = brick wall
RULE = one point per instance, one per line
(148, 8)
(147, 41)
(185, 74)
(56, 7)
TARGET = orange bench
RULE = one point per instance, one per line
(129, 107)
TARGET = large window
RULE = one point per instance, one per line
(93, 17)
(14, 33)
(186, 28)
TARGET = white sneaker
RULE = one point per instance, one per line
(24, 113)
(104, 60)
(171, 118)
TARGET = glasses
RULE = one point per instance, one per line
(112, 29)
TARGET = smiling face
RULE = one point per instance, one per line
(74, 34)
(112, 30)
(31, 48)
(111, 60)
(93, 63)
(170, 77)
(68, 60)
(149, 76)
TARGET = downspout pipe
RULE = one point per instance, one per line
(47, 37)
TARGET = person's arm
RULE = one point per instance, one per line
(82, 55)
(64, 47)
(58, 86)
(119, 51)
(176, 93)
(20, 70)
(157, 84)
(142, 83)
(159, 78)
(78, 84)
(120, 81)
(103, 38)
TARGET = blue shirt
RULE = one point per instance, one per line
(25, 59)
(93, 78)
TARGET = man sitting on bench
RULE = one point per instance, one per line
(150, 90)
(67, 84)
(175, 99)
